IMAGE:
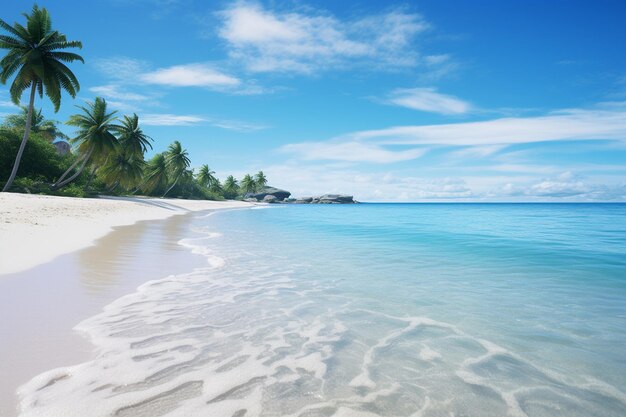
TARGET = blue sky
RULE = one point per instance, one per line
(390, 101)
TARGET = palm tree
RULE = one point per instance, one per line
(155, 174)
(231, 187)
(94, 138)
(261, 180)
(39, 124)
(35, 56)
(216, 187)
(131, 136)
(178, 161)
(124, 168)
(248, 185)
(206, 177)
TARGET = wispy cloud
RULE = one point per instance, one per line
(118, 93)
(350, 151)
(164, 119)
(236, 125)
(428, 100)
(487, 136)
(124, 71)
(190, 75)
(305, 41)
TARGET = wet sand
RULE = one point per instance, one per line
(40, 307)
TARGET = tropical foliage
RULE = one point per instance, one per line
(36, 57)
(108, 152)
(47, 129)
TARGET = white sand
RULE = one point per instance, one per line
(35, 229)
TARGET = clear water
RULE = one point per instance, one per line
(369, 310)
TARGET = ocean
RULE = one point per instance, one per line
(367, 310)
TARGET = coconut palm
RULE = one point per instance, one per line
(178, 161)
(39, 124)
(131, 137)
(231, 187)
(123, 169)
(36, 58)
(261, 180)
(155, 174)
(248, 185)
(94, 139)
(206, 177)
(216, 187)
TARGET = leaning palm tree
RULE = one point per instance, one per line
(206, 177)
(248, 185)
(36, 58)
(261, 180)
(178, 161)
(95, 138)
(131, 136)
(123, 169)
(38, 124)
(155, 174)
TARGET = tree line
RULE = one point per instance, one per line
(109, 151)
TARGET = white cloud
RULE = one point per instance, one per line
(304, 179)
(237, 125)
(573, 124)
(116, 92)
(429, 100)
(165, 119)
(299, 41)
(350, 151)
(122, 69)
(155, 119)
(487, 136)
(6, 103)
(124, 72)
(308, 180)
(190, 75)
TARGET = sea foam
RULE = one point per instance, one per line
(265, 332)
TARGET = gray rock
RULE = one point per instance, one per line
(270, 199)
(276, 192)
(63, 148)
(336, 199)
(251, 200)
(304, 200)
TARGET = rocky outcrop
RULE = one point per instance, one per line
(334, 199)
(327, 199)
(270, 199)
(63, 148)
(276, 192)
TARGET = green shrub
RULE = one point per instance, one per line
(40, 160)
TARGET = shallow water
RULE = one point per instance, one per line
(368, 310)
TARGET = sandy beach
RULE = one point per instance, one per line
(36, 229)
(63, 259)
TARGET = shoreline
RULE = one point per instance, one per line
(47, 302)
(36, 229)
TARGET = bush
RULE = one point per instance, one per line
(40, 160)
(34, 186)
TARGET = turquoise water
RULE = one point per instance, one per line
(369, 310)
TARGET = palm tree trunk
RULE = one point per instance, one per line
(59, 185)
(172, 186)
(93, 174)
(20, 152)
(70, 169)
(113, 187)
